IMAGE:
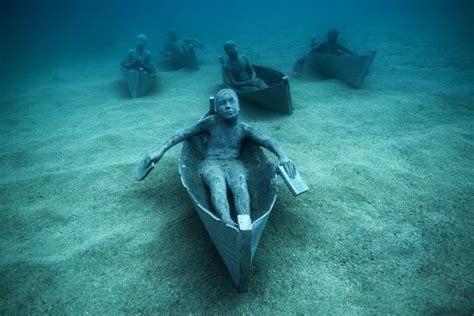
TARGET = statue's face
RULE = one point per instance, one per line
(227, 106)
(141, 42)
(231, 49)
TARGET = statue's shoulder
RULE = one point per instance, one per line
(209, 120)
(246, 127)
(131, 51)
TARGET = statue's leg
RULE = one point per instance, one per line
(260, 83)
(237, 181)
(214, 177)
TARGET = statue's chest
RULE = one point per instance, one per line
(226, 137)
(138, 56)
(237, 65)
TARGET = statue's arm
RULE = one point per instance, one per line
(147, 65)
(182, 47)
(128, 61)
(199, 128)
(195, 42)
(273, 146)
(346, 50)
(250, 69)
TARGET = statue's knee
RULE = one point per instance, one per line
(241, 180)
(214, 180)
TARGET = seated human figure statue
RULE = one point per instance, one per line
(139, 59)
(331, 46)
(221, 168)
(176, 48)
(237, 71)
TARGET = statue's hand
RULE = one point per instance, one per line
(289, 166)
(154, 157)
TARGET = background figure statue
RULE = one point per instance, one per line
(139, 59)
(177, 49)
(222, 169)
(237, 72)
(331, 46)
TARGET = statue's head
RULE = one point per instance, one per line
(333, 35)
(172, 35)
(141, 40)
(227, 104)
(230, 48)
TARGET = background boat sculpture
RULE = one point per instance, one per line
(276, 97)
(139, 82)
(182, 52)
(334, 60)
(351, 69)
(138, 69)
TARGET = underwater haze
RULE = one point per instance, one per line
(386, 227)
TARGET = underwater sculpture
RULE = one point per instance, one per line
(139, 59)
(333, 60)
(237, 71)
(264, 86)
(181, 52)
(221, 154)
(138, 69)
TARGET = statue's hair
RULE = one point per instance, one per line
(222, 92)
(228, 43)
(142, 36)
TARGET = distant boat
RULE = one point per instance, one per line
(351, 69)
(236, 245)
(276, 97)
(139, 82)
(188, 60)
(192, 57)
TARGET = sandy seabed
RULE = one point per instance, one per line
(386, 228)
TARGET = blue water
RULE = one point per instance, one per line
(40, 31)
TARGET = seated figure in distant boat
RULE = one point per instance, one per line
(331, 46)
(139, 59)
(221, 168)
(237, 71)
(177, 49)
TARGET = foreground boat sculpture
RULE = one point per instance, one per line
(276, 97)
(139, 82)
(351, 69)
(236, 245)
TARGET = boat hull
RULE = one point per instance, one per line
(139, 83)
(351, 69)
(236, 245)
(276, 97)
(189, 60)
